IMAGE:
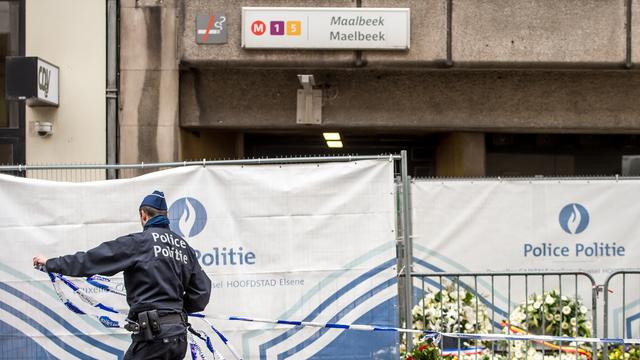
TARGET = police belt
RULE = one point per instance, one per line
(148, 325)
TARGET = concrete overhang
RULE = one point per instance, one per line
(523, 34)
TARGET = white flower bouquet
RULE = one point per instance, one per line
(549, 314)
(451, 309)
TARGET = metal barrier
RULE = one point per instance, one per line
(96, 172)
(498, 295)
(499, 292)
(93, 172)
(617, 320)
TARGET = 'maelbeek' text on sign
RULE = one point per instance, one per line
(325, 28)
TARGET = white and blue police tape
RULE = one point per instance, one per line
(223, 338)
(99, 282)
(194, 349)
(111, 323)
(105, 320)
(435, 335)
(104, 283)
(359, 327)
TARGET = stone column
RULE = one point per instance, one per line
(149, 82)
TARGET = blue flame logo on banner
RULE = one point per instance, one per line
(574, 218)
(188, 217)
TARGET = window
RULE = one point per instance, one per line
(11, 112)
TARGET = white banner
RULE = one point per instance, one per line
(530, 226)
(309, 242)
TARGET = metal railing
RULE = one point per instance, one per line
(95, 172)
(616, 296)
(498, 295)
(500, 292)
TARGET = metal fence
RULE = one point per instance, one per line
(621, 314)
(491, 303)
(95, 172)
(499, 294)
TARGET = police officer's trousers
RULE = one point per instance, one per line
(171, 348)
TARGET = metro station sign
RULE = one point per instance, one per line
(325, 28)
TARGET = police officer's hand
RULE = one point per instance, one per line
(39, 260)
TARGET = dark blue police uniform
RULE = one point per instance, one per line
(161, 275)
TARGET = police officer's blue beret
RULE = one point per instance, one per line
(155, 200)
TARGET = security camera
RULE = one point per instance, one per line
(307, 81)
(44, 128)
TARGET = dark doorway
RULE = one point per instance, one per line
(558, 154)
(420, 148)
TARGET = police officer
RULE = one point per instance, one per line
(161, 275)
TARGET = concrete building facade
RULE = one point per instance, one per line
(72, 36)
(486, 88)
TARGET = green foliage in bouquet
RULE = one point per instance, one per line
(452, 309)
(622, 352)
(426, 350)
(552, 314)
(549, 314)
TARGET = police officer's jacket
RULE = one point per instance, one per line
(161, 271)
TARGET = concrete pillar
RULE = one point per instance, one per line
(461, 154)
(148, 123)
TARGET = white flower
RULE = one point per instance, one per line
(468, 326)
(564, 298)
(583, 309)
(565, 326)
(549, 299)
(557, 317)
(548, 316)
(566, 310)
(453, 295)
(573, 321)
(537, 304)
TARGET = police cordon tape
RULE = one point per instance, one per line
(196, 351)
(99, 282)
(434, 334)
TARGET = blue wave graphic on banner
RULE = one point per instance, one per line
(366, 345)
(418, 292)
(68, 348)
(369, 274)
(57, 318)
(337, 317)
(13, 341)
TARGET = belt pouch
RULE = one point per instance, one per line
(145, 327)
(154, 321)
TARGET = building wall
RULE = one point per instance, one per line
(148, 119)
(459, 33)
(490, 65)
(494, 66)
(446, 100)
(70, 34)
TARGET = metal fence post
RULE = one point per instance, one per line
(407, 246)
(605, 316)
